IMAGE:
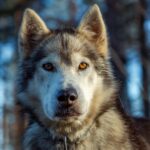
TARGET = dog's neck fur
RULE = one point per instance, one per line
(65, 141)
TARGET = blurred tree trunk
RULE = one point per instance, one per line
(115, 27)
(144, 58)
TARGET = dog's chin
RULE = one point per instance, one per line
(63, 122)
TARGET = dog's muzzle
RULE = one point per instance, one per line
(67, 103)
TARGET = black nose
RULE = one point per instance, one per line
(67, 95)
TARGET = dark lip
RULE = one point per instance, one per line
(67, 114)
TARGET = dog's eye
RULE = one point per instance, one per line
(48, 67)
(83, 66)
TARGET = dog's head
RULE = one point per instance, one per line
(63, 71)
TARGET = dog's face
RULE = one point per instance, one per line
(65, 78)
(62, 70)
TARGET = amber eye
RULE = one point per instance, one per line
(83, 66)
(48, 67)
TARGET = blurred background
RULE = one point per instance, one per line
(128, 24)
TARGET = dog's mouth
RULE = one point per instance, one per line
(67, 113)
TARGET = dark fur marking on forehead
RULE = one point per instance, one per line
(64, 51)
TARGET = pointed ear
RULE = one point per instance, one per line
(93, 28)
(32, 30)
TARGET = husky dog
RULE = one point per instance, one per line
(66, 84)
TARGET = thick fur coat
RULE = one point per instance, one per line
(91, 117)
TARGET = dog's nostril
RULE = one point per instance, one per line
(72, 97)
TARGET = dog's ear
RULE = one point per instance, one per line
(92, 26)
(32, 31)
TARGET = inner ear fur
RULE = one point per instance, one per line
(92, 26)
(32, 30)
